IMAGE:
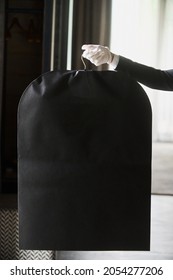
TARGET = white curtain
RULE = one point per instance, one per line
(142, 30)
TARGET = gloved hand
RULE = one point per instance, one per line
(99, 55)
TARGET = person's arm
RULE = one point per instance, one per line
(149, 76)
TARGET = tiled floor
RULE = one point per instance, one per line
(161, 216)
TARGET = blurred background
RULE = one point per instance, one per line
(37, 36)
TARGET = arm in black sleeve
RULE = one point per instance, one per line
(151, 77)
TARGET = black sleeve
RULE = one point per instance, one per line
(151, 77)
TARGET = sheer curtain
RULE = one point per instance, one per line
(91, 25)
(142, 31)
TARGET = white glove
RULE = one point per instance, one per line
(99, 55)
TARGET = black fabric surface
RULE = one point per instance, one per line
(84, 162)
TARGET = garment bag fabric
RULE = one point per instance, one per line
(84, 162)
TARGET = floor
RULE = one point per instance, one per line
(161, 214)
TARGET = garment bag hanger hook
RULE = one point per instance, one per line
(84, 64)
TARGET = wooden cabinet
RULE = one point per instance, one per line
(26, 40)
(23, 43)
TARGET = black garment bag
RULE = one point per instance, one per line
(84, 162)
